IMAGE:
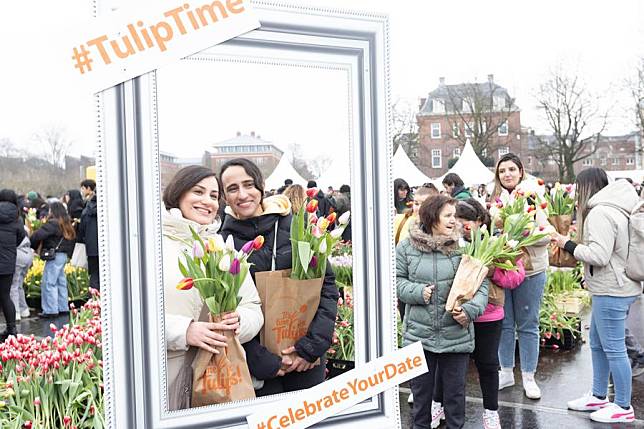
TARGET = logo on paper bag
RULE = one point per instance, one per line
(291, 326)
(222, 376)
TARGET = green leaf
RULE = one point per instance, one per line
(305, 254)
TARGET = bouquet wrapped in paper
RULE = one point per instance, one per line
(561, 208)
(290, 298)
(217, 271)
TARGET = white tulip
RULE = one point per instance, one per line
(344, 219)
(513, 243)
(230, 243)
(337, 233)
(323, 246)
(224, 263)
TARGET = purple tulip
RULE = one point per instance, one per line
(197, 250)
(247, 247)
(235, 267)
(314, 262)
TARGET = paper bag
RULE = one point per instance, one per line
(469, 277)
(289, 307)
(79, 257)
(223, 377)
(559, 257)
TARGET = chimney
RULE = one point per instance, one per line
(422, 103)
(441, 81)
(252, 133)
(490, 78)
(238, 133)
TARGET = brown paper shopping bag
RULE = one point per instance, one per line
(467, 281)
(223, 377)
(557, 256)
(289, 306)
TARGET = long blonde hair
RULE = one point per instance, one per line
(498, 187)
(296, 194)
(589, 182)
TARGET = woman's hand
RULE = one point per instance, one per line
(559, 239)
(204, 335)
(299, 364)
(461, 317)
(427, 293)
(286, 364)
(229, 319)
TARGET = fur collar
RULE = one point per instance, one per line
(424, 242)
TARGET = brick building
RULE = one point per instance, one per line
(483, 113)
(262, 152)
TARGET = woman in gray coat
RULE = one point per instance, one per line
(426, 264)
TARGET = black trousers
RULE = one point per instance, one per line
(452, 373)
(93, 270)
(486, 358)
(294, 380)
(8, 308)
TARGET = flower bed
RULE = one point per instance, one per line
(55, 382)
(77, 282)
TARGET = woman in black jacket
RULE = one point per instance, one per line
(74, 202)
(11, 235)
(250, 215)
(58, 234)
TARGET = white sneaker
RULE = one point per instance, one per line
(613, 413)
(491, 420)
(17, 316)
(506, 378)
(532, 391)
(588, 402)
(410, 398)
(25, 313)
(438, 414)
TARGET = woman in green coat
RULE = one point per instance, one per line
(426, 264)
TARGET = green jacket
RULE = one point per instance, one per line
(422, 259)
(461, 194)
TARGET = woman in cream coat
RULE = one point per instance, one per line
(191, 200)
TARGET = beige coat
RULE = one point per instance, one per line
(183, 307)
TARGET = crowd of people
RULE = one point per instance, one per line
(428, 227)
(61, 224)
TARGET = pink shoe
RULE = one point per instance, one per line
(613, 413)
(588, 402)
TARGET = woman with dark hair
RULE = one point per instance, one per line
(74, 202)
(250, 214)
(191, 200)
(454, 185)
(426, 263)
(402, 195)
(11, 235)
(602, 241)
(523, 303)
(58, 234)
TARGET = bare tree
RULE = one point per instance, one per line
(299, 162)
(405, 128)
(9, 150)
(574, 116)
(481, 109)
(55, 144)
(636, 88)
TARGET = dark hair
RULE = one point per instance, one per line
(250, 168)
(89, 183)
(74, 194)
(589, 181)
(182, 182)
(453, 179)
(58, 212)
(288, 182)
(312, 184)
(9, 195)
(431, 208)
(345, 189)
(507, 157)
(470, 209)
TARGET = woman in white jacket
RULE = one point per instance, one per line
(603, 211)
(191, 200)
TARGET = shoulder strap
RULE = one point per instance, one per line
(400, 227)
(59, 243)
(274, 254)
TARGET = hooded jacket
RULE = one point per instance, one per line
(605, 241)
(183, 307)
(11, 235)
(277, 210)
(421, 260)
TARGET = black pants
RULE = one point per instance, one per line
(8, 308)
(93, 269)
(486, 358)
(452, 373)
(294, 380)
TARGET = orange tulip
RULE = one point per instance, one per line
(331, 218)
(258, 242)
(312, 206)
(186, 284)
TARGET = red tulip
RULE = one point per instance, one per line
(312, 206)
(544, 205)
(67, 420)
(526, 233)
(331, 218)
(37, 401)
(531, 209)
(27, 425)
(540, 182)
(186, 284)
(258, 242)
(311, 192)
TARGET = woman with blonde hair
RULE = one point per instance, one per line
(297, 196)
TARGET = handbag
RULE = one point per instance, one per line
(79, 257)
(49, 253)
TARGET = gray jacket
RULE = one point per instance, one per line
(605, 241)
(422, 259)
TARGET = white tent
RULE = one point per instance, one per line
(283, 171)
(470, 168)
(405, 169)
(635, 175)
(338, 174)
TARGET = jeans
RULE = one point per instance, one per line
(54, 295)
(522, 307)
(17, 290)
(453, 372)
(608, 347)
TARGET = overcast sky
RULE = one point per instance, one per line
(518, 42)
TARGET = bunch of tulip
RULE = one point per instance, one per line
(217, 270)
(32, 221)
(562, 200)
(527, 197)
(343, 269)
(311, 240)
(553, 322)
(522, 231)
(490, 249)
(343, 345)
(55, 382)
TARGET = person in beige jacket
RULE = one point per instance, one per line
(191, 200)
(603, 240)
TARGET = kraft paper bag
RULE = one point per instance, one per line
(467, 281)
(559, 257)
(289, 307)
(223, 377)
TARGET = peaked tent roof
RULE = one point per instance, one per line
(284, 170)
(404, 168)
(470, 168)
(338, 174)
